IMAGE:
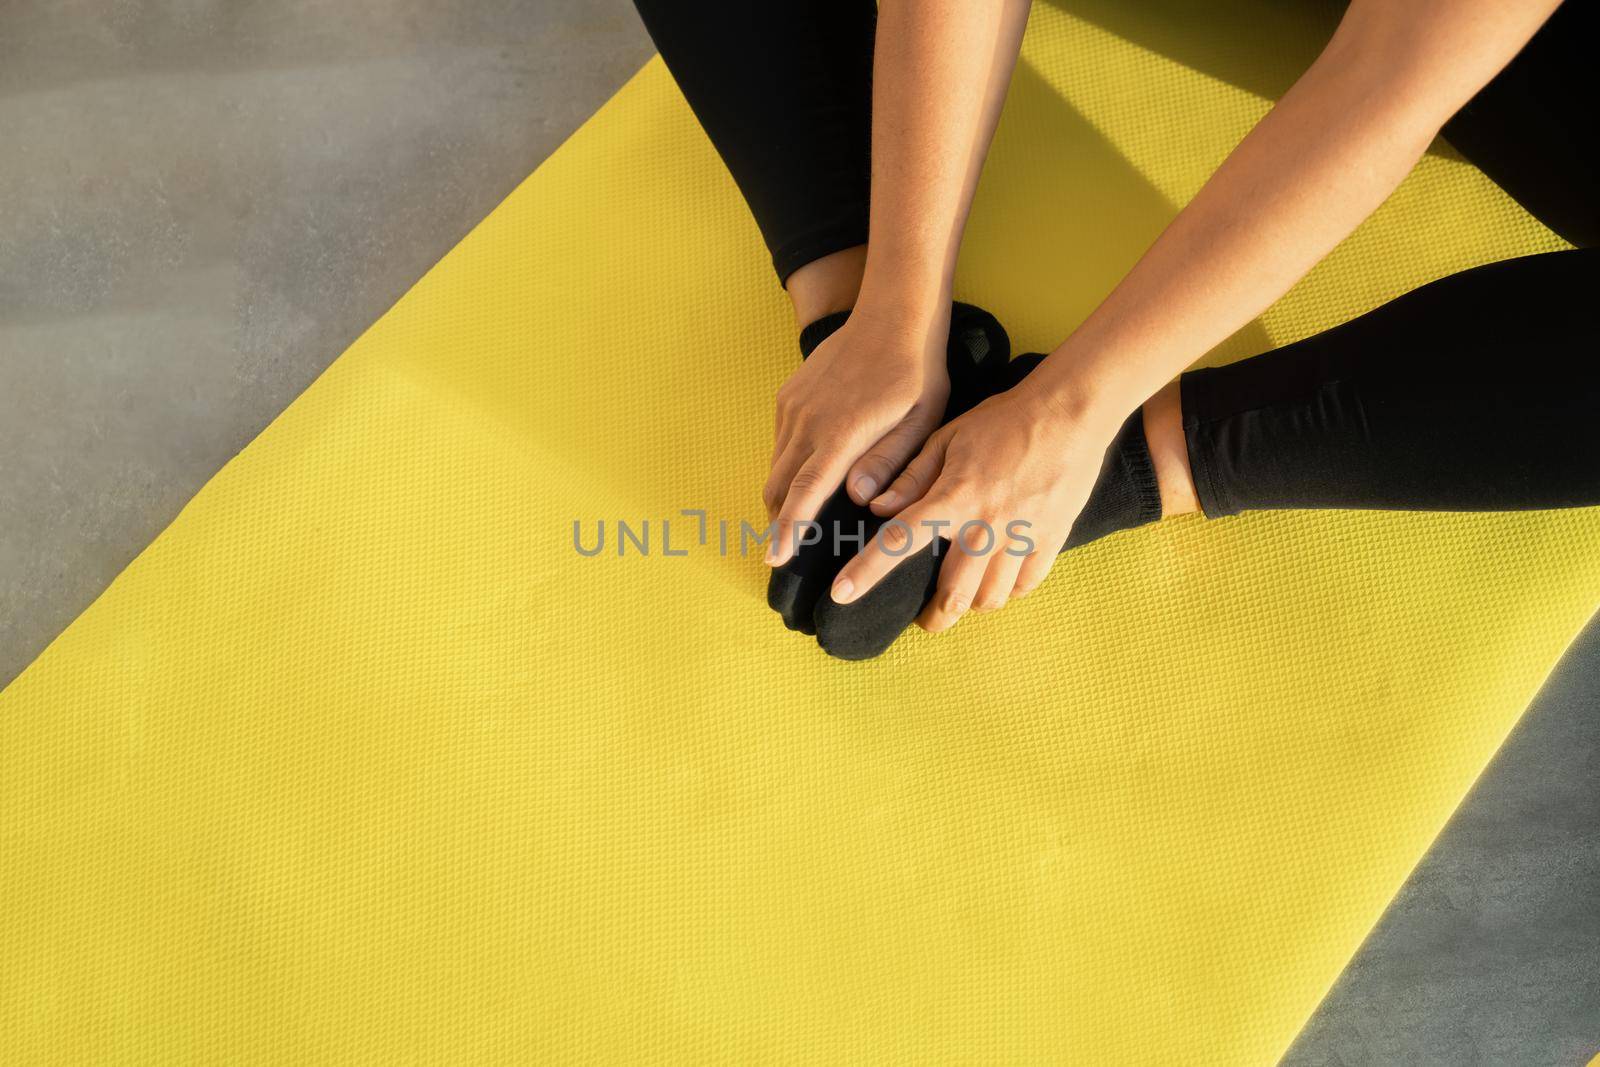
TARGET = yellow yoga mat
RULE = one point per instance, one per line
(362, 762)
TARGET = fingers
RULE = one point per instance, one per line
(902, 536)
(873, 471)
(998, 581)
(784, 467)
(803, 477)
(1035, 568)
(780, 441)
(915, 481)
(809, 489)
(960, 578)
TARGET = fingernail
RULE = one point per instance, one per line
(772, 553)
(844, 590)
(888, 499)
(865, 487)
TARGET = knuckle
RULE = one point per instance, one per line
(958, 483)
(952, 495)
(911, 480)
(877, 465)
(806, 480)
(895, 535)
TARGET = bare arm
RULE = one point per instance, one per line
(869, 396)
(940, 70)
(1331, 151)
(1326, 156)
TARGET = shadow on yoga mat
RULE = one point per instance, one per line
(360, 761)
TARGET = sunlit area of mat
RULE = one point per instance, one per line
(362, 762)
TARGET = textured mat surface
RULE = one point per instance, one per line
(361, 761)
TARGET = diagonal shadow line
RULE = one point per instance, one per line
(1060, 216)
(1254, 45)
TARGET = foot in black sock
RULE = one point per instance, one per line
(1125, 495)
(975, 358)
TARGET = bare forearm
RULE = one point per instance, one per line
(940, 73)
(1332, 150)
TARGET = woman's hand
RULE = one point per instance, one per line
(869, 396)
(855, 411)
(1009, 477)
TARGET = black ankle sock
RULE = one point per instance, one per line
(1124, 496)
(814, 333)
(975, 357)
(1125, 493)
(868, 625)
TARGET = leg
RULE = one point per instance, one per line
(1477, 392)
(786, 97)
(785, 94)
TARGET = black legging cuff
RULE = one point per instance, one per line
(825, 239)
(1203, 408)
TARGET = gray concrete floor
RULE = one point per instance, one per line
(1490, 955)
(202, 202)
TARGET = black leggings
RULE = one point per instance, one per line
(1477, 392)
(1480, 391)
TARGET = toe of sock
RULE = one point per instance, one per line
(794, 588)
(788, 595)
(866, 627)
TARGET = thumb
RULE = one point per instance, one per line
(918, 477)
(870, 474)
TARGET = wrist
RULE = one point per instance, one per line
(893, 330)
(904, 295)
(1060, 391)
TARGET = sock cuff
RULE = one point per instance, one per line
(1134, 452)
(974, 333)
(1125, 494)
(816, 332)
